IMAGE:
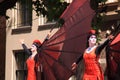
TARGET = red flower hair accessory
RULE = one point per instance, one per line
(92, 31)
(37, 42)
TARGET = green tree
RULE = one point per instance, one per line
(100, 8)
(52, 9)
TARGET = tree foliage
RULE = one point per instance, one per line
(100, 8)
(99, 17)
(52, 9)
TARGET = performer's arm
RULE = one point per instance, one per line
(26, 49)
(100, 47)
(48, 36)
(79, 59)
(74, 65)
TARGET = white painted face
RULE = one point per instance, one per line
(33, 48)
(92, 39)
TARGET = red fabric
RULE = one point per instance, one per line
(65, 46)
(72, 36)
(52, 69)
(31, 71)
(113, 59)
(117, 39)
(92, 67)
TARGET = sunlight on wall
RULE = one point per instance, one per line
(110, 1)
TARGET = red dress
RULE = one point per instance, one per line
(92, 67)
(31, 69)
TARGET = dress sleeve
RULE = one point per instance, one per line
(100, 47)
(26, 49)
(79, 59)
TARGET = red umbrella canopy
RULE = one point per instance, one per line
(113, 59)
(69, 42)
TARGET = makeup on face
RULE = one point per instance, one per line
(92, 39)
(33, 48)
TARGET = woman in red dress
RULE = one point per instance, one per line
(31, 65)
(91, 56)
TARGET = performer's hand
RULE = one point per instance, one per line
(22, 41)
(110, 37)
(48, 35)
(74, 66)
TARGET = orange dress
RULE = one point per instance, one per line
(92, 67)
(31, 69)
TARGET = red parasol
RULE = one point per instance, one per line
(69, 42)
(113, 59)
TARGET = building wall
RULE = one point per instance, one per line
(13, 40)
(12, 43)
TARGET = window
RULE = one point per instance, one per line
(21, 71)
(23, 13)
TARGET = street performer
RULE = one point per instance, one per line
(91, 56)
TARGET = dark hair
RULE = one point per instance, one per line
(38, 47)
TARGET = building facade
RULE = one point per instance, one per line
(24, 24)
